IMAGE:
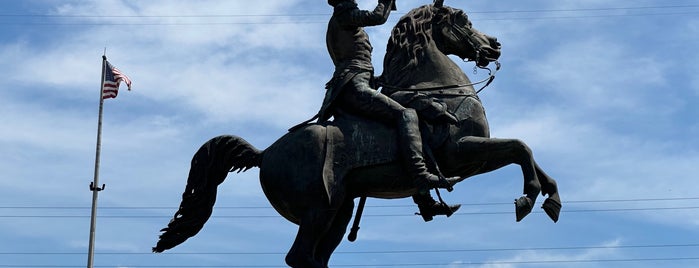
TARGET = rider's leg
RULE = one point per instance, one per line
(410, 144)
(359, 98)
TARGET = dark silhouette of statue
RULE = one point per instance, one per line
(375, 146)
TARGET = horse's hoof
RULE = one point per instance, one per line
(523, 206)
(552, 208)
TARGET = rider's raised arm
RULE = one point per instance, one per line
(361, 18)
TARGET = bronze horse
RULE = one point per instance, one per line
(312, 175)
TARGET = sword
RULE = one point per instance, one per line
(357, 217)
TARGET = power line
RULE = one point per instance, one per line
(275, 216)
(560, 248)
(463, 204)
(585, 9)
(164, 16)
(370, 215)
(323, 22)
(210, 16)
(328, 14)
(591, 16)
(165, 24)
(667, 259)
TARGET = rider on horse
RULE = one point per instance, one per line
(350, 91)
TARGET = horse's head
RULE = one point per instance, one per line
(454, 34)
(424, 36)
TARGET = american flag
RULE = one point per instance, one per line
(112, 78)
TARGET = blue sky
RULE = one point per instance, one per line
(604, 92)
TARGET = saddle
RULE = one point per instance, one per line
(353, 142)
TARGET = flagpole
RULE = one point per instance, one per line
(94, 185)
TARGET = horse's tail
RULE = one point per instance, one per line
(209, 168)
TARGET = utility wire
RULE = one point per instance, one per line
(323, 22)
(328, 14)
(463, 204)
(684, 11)
(560, 248)
(451, 264)
(370, 215)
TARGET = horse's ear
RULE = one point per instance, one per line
(438, 3)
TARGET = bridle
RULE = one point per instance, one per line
(487, 81)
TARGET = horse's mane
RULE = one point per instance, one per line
(409, 39)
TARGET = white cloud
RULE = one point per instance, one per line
(689, 33)
(195, 25)
(44, 129)
(215, 73)
(605, 250)
(599, 74)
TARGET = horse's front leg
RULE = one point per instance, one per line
(552, 205)
(497, 153)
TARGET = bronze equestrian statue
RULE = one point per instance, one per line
(312, 175)
(350, 91)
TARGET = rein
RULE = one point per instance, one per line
(487, 81)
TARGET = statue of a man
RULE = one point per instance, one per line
(350, 90)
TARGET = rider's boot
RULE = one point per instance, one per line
(430, 207)
(410, 143)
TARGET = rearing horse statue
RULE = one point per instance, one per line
(312, 175)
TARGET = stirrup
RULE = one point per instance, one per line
(448, 182)
(437, 181)
(438, 208)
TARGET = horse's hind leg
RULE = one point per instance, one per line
(335, 233)
(312, 226)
